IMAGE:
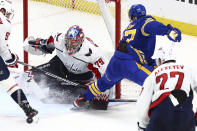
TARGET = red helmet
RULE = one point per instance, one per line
(74, 39)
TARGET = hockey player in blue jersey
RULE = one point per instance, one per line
(132, 59)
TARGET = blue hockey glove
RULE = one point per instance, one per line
(13, 61)
(174, 34)
(140, 128)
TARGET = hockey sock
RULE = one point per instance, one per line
(18, 96)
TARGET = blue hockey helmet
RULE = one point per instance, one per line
(74, 39)
(137, 11)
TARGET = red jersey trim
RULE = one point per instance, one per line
(94, 70)
(12, 87)
(50, 40)
(158, 101)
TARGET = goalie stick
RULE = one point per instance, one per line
(122, 100)
(52, 75)
(70, 82)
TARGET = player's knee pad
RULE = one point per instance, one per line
(9, 85)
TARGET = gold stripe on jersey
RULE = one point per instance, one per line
(94, 89)
(130, 26)
(107, 77)
(146, 22)
(140, 55)
(143, 68)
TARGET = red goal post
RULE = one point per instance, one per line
(117, 38)
(84, 6)
(25, 29)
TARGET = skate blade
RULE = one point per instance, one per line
(79, 108)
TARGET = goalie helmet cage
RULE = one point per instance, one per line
(115, 35)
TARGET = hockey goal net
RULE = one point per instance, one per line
(101, 20)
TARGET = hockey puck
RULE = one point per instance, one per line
(29, 120)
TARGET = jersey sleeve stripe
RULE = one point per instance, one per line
(140, 55)
(142, 29)
(94, 89)
(143, 68)
(158, 101)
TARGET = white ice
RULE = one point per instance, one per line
(45, 20)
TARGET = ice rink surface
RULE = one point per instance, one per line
(62, 117)
(46, 20)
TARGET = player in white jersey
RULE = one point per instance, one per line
(8, 59)
(77, 57)
(165, 104)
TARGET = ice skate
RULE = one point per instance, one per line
(29, 111)
(81, 103)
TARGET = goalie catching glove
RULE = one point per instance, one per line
(39, 46)
(13, 61)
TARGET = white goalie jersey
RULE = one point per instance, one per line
(87, 58)
(5, 28)
(158, 85)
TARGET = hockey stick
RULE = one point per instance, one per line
(69, 82)
(122, 100)
(52, 75)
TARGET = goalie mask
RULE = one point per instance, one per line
(74, 39)
(6, 8)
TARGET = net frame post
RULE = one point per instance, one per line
(117, 39)
(25, 29)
